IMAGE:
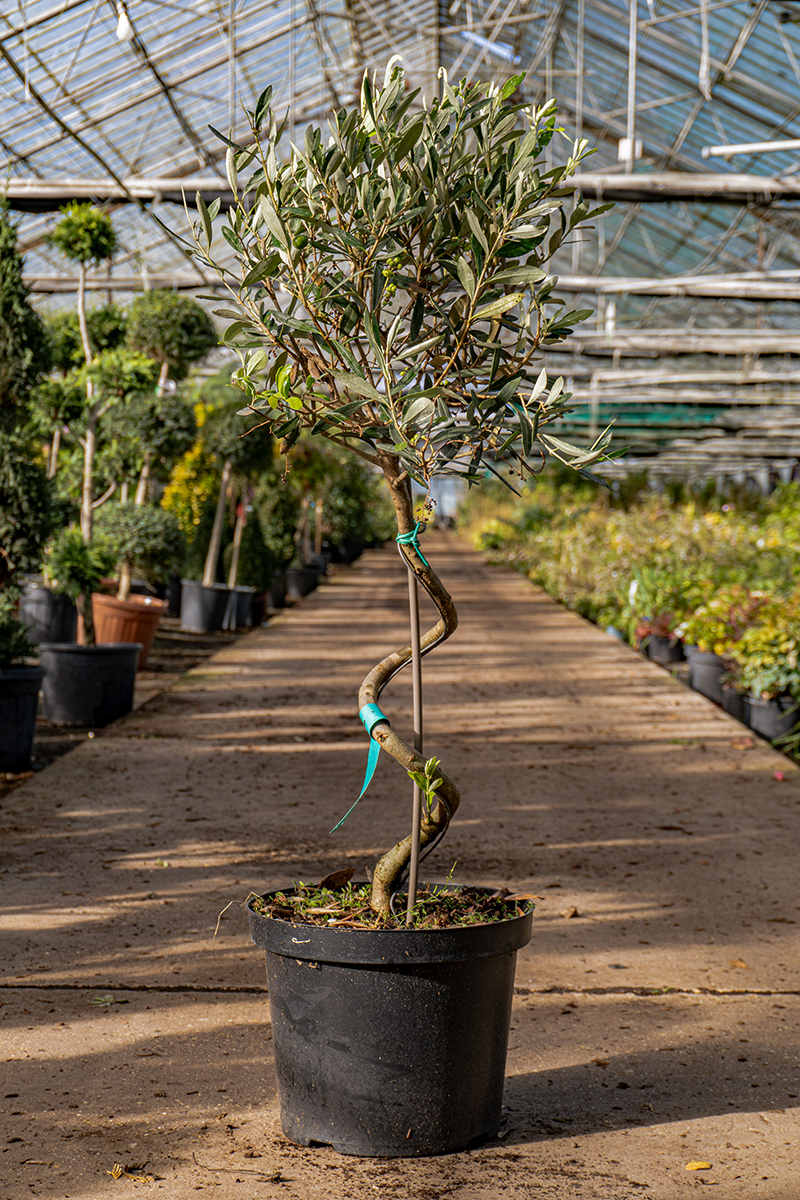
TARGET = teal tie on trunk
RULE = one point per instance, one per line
(370, 716)
(412, 539)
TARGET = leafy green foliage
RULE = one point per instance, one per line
(428, 781)
(26, 514)
(84, 234)
(278, 512)
(412, 248)
(14, 645)
(170, 328)
(106, 325)
(24, 354)
(767, 655)
(148, 539)
(248, 445)
(163, 426)
(712, 573)
(76, 568)
(122, 374)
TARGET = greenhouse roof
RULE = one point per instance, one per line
(112, 100)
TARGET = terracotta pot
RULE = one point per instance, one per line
(132, 620)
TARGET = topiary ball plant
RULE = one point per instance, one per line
(142, 538)
(171, 329)
(390, 292)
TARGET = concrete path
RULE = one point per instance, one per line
(658, 1004)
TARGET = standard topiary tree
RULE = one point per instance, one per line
(240, 458)
(392, 296)
(113, 377)
(142, 538)
(171, 329)
(83, 235)
(153, 430)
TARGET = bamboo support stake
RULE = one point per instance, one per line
(416, 684)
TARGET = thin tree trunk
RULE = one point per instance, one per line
(163, 376)
(91, 435)
(84, 328)
(123, 492)
(318, 526)
(52, 463)
(241, 521)
(390, 868)
(124, 589)
(87, 491)
(306, 528)
(210, 571)
(144, 477)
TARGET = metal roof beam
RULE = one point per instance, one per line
(128, 105)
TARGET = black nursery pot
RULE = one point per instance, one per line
(19, 699)
(203, 608)
(300, 581)
(665, 650)
(390, 1042)
(50, 618)
(88, 685)
(771, 718)
(734, 703)
(705, 674)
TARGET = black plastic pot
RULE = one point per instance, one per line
(276, 596)
(203, 608)
(19, 699)
(258, 608)
(300, 581)
(88, 685)
(244, 606)
(50, 618)
(771, 718)
(705, 674)
(173, 596)
(346, 551)
(390, 1042)
(734, 703)
(665, 650)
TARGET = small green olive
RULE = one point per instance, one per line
(300, 241)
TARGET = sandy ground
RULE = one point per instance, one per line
(657, 1006)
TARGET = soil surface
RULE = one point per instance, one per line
(657, 1006)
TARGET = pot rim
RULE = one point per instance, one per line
(76, 648)
(388, 947)
(19, 673)
(209, 587)
(139, 603)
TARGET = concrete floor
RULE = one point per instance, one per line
(657, 1006)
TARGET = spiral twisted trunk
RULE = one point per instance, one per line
(391, 867)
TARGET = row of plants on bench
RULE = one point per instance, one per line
(674, 573)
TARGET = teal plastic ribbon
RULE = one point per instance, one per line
(370, 716)
(412, 539)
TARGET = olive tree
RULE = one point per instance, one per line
(390, 293)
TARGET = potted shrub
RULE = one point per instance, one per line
(209, 604)
(390, 295)
(25, 521)
(19, 690)
(148, 540)
(712, 630)
(767, 672)
(86, 683)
